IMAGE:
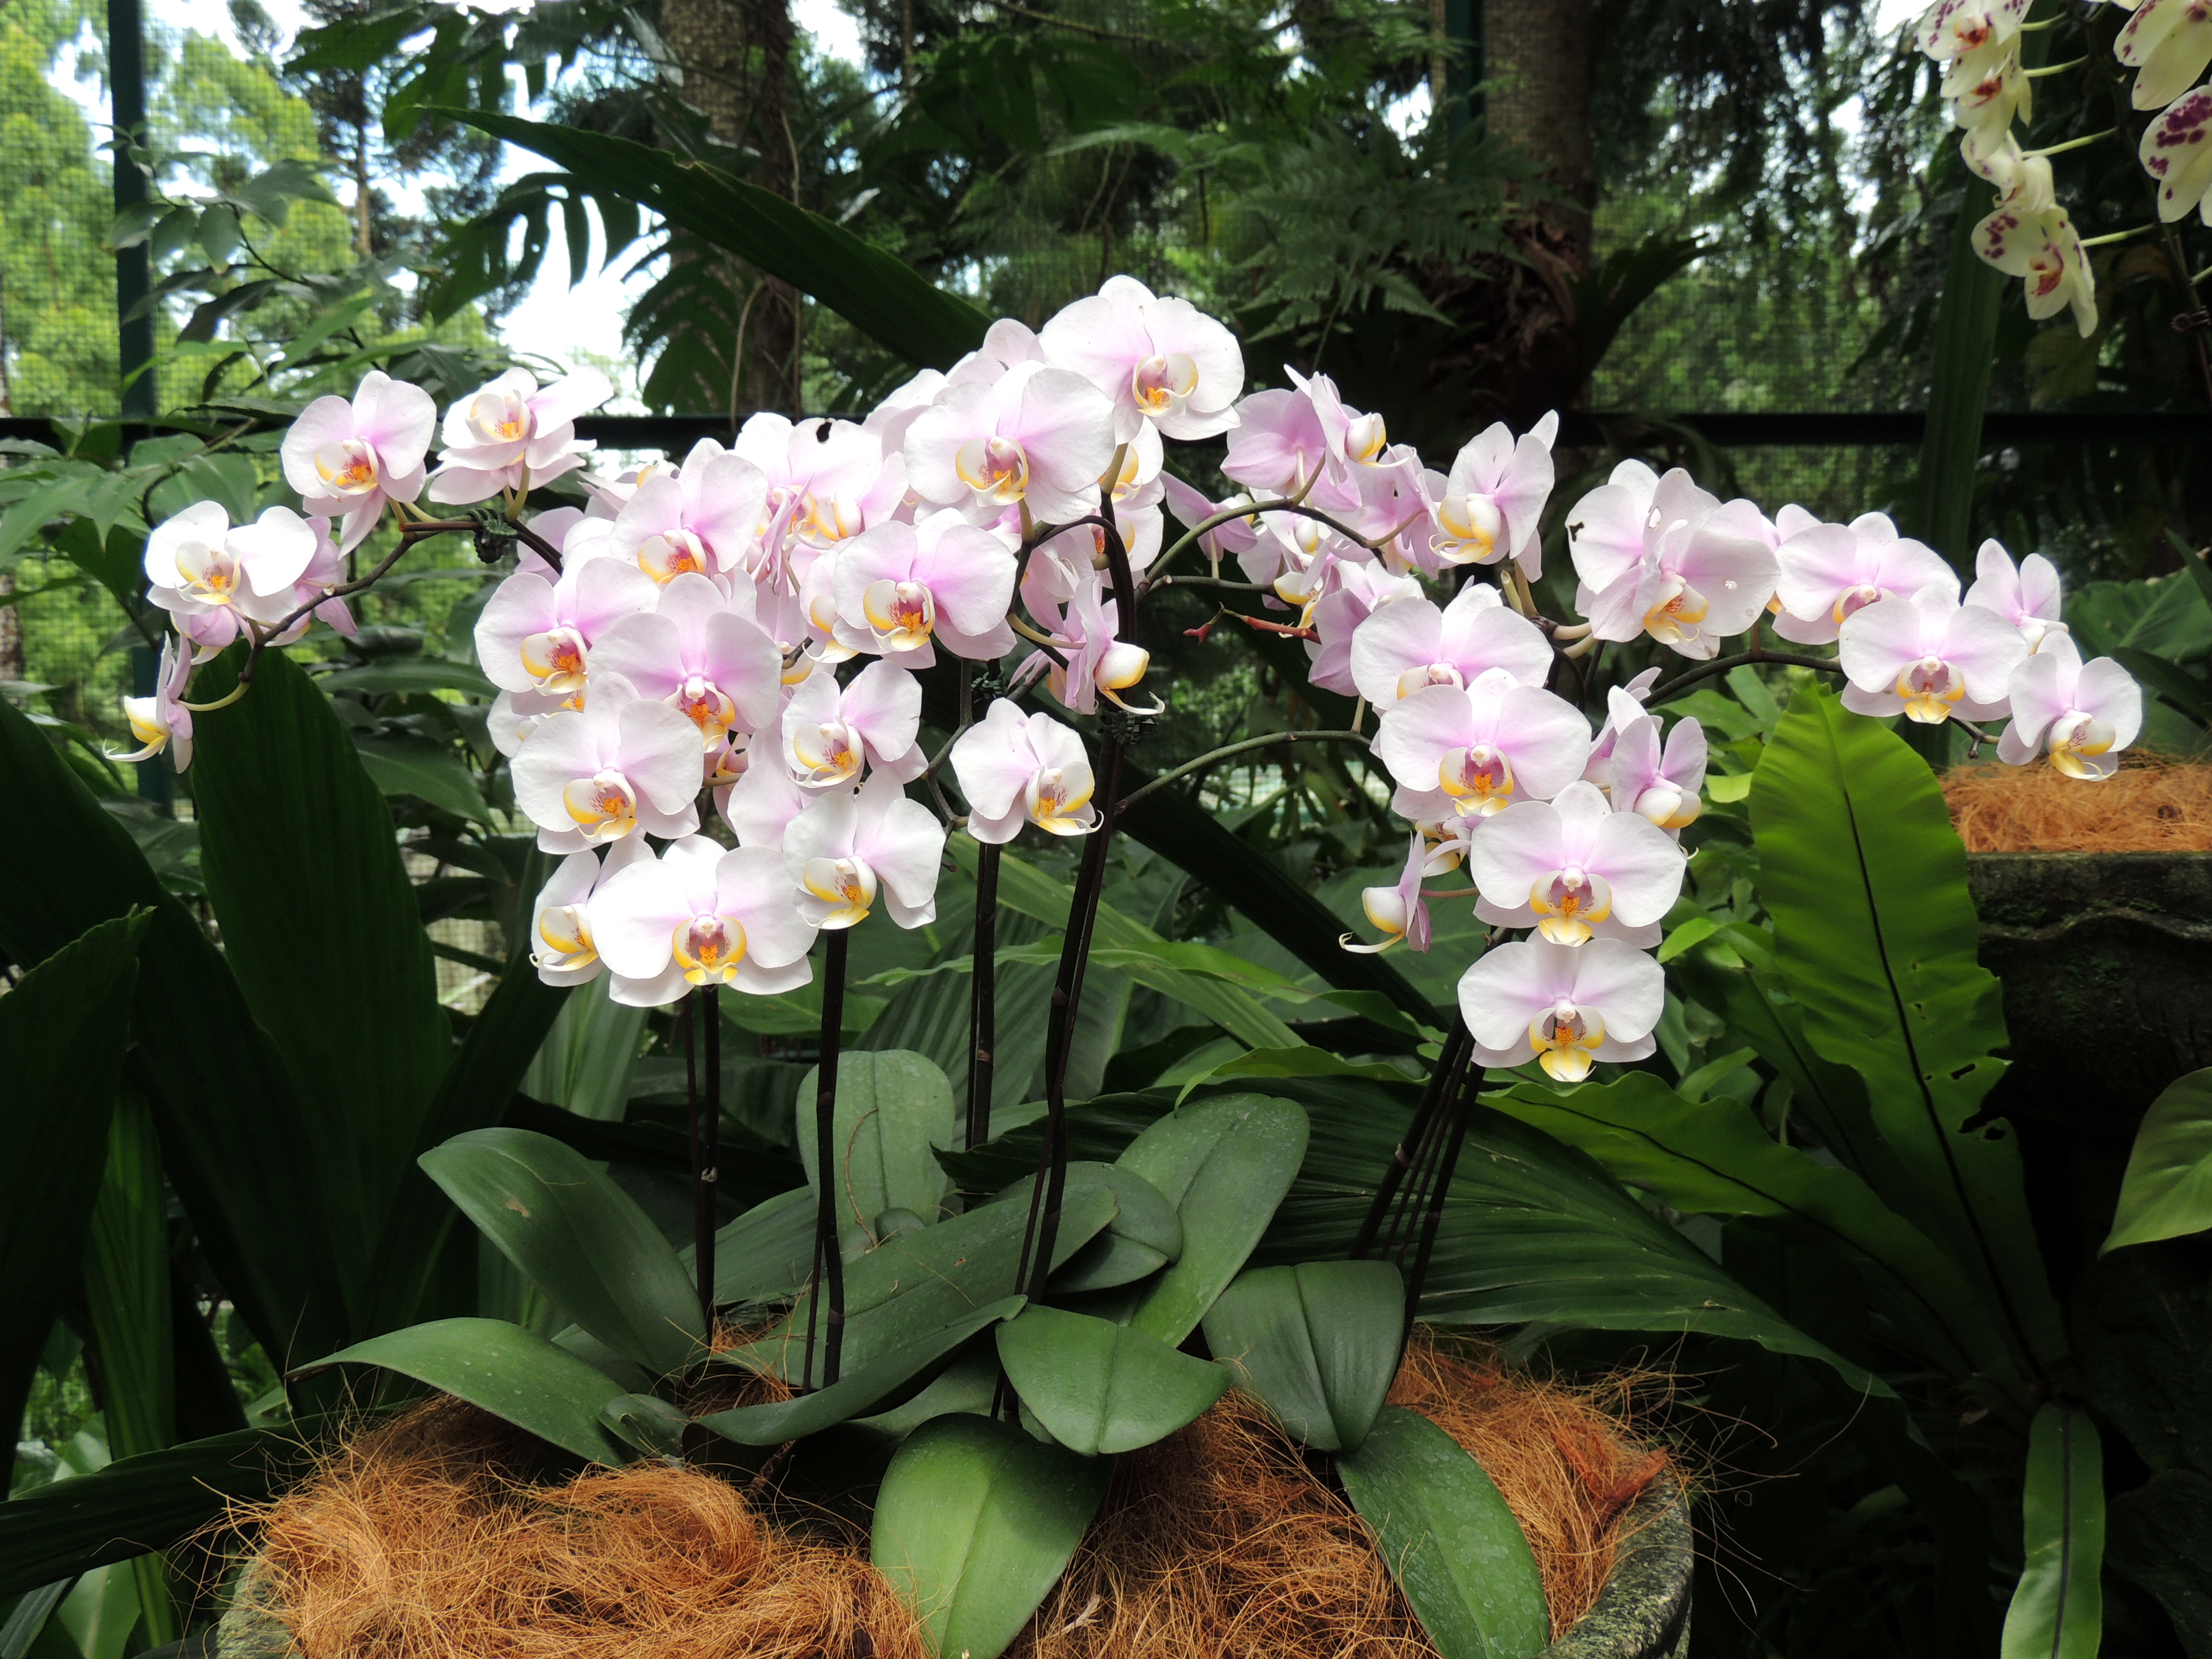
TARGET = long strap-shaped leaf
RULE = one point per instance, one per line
(2057, 1609)
(877, 291)
(1877, 940)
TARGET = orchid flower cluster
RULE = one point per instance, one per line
(2167, 43)
(741, 635)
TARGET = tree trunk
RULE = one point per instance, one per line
(1538, 56)
(735, 59)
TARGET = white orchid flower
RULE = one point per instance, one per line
(1928, 657)
(703, 519)
(2081, 715)
(1474, 751)
(1828, 571)
(699, 653)
(1659, 782)
(2043, 248)
(1400, 914)
(566, 951)
(622, 764)
(1662, 556)
(1161, 360)
(1016, 768)
(1562, 1006)
(1623, 704)
(2167, 43)
(211, 575)
(161, 722)
(851, 848)
(822, 477)
(700, 915)
(1951, 28)
(1038, 437)
(511, 434)
(536, 632)
(1358, 592)
(348, 457)
(2026, 595)
(1405, 646)
(1575, 869)
(902, 589)
(830, 732)
(1490, 505)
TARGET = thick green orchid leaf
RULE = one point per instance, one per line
(1098, 1386)
(974, 1523)
(1144, 1237)
(1317, 1343)
(894, 1111)
(1453, 1545)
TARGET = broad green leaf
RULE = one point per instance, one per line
(1224, 1165)
(579, 1237)
(974, 1523)
(874, 290)
(1712, 1157)
(234, 1139)
(920, 1282)
(1877, 940)
(588, 1055)
(321, 927)
(1317, 1343)
(766, 1253)
(856, 1392)
(63, 1027)
(1452, 1545)
(1304, 1061)
(137, 1504)
(1144, 1237)
(126, 1287)
(431, 772)
(2057, 1609)
(408, 675)
(514, 1374)
(894, 1110)
(2167, 1190)
(1098, 1386)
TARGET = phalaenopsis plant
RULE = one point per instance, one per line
(712, 701)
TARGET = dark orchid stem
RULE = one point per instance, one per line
(701, 1228)
(1462, 1113)
(706, 1159)
(829, 1261)
(1417, 1132)
(983, 996)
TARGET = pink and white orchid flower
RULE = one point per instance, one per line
(698, 652)
(902, 589)
(1827, 571)
(1655, 782)
(1277, 444)
(1400, 914)
(326, 572)
(1474, 751)
(211, 576)
(1097, 663)
(1356, 593)
(1405, 646)
(566, 952)
(2026, 595)
(2167, 43)
(1038, 438)
(851, 847)
(1622, 703)
(622, 764)
(536, 632)
(700, 914)
(830, 731)
(1016, 768)
(161, 722)
(1562, 1005)
(2081, 715)
(512, 433)
(1928, 657)
(704, 519)
(1663, 557)
(1489, 507)
(1575, 869)
(1160, 359)
(346, 458)
(825, 472)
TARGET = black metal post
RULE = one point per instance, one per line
(983, 996)
(706, 1143)
(829, 1261)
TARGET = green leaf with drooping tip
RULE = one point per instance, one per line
(1317, 1343)
(1098, 1386)
(1451, 1543)
(1144, 1237)
(974, 1523)
(514, 1374)
(2167, 1190)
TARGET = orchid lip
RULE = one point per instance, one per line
(708, 948)
(602, 805)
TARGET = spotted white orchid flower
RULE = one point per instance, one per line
(2081, 715)
(2176, 151)
(1950, 29)
(1161, 360)
(211, 575)
(902, 589)
(1016, 768)
(700, 915)
(622, 764)
(1400, 914)
(2167, 43)
(1405, 646)
(1828, 571)
(1575, 869)
(1473, 751)
(2042, 248)
(1037, 438)
(161, 722)
(564, 949)
(699, 653)
(849, 847)
(831, 731)
(1563, 1007)
(512, 433)
(1488, 508)
(1928, 657)
(2026, 595)
(348, 457)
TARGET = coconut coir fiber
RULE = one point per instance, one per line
(2151, 804)
(423, 1538)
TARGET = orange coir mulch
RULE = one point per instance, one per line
(420, 1539)
(2151, 804)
